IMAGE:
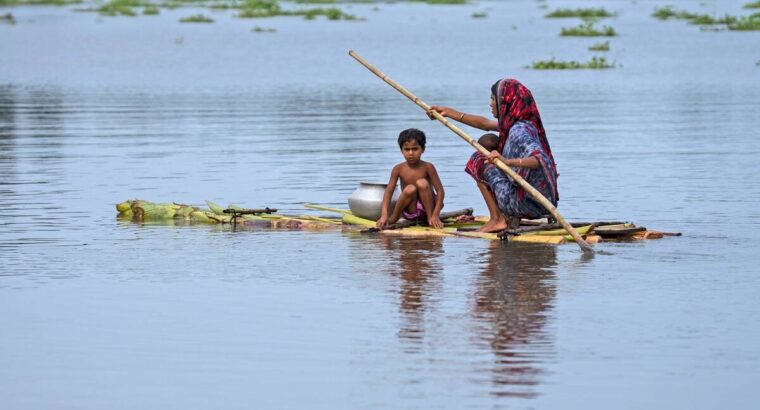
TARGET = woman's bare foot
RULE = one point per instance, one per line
(494, 225)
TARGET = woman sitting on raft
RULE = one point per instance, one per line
(522, 144)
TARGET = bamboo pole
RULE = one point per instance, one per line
(517, 178)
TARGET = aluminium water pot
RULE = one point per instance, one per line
(367, 199)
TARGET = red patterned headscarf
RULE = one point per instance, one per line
(514, 102)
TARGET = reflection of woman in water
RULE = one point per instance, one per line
(513, 297)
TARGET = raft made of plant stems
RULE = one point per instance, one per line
(596, 63)
(531, 231)
(587, 29)
(590, 13)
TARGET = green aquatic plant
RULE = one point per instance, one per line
(667, 12)
(259, 29)
(259, 8)
(753, 5)
(150, 10)
(38, 2)
(664, 13)
(600, 46)
(443, 1)
(121, 7)
(588, 30)
(707, 20)
(596, 63)
(749, 23)
(582, 13)
(331, 13)
(198, 18)
(8, 17)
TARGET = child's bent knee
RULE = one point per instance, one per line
(410, 189)
(422, 183)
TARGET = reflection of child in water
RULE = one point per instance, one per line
(421, 189)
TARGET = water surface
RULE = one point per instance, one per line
(97, 313)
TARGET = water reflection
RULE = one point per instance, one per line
(419, 269)
(513, 299)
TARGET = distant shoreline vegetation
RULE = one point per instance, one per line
(596, 63)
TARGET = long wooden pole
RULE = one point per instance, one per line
(514, 175)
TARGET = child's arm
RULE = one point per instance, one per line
(435, 217)
(387, 198)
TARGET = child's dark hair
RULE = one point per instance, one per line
(411, 134)
(489, 141)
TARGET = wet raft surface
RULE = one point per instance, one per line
(456, 224)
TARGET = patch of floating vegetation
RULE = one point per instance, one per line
(150, 10)
(749, 23)
(596, 63)
(745, 23)
(8, 18)
(588, 30)
(377, 1)
(198, 18)
(121, 7)
(600, 46)
(753, 5)
(582, 13)
(479, 15)
(38, 2)
(271, 8)
(259, 29)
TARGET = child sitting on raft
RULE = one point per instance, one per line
(422, 193)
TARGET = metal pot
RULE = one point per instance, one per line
(367, 199)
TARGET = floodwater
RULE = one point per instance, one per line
(96, 313)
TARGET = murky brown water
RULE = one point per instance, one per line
(100, 314)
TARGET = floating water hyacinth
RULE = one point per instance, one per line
(590, 13)
(588, 30)
(600, 46)
(198, 18)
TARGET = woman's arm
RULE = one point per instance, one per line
(527, 162)
(472, 120)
